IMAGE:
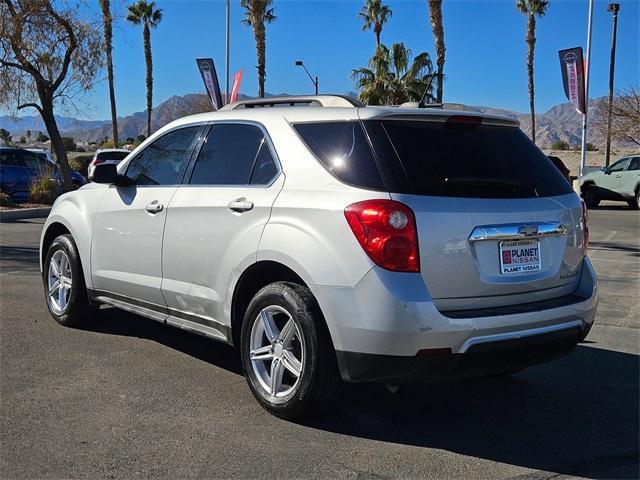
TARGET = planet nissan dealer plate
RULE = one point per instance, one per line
(519, 256)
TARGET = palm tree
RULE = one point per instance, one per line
(375, 15)
(257, 13)
(108, 35)
(149, 16)
(435, 16)
(392, 79)
(532, 8)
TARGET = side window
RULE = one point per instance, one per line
(635, 164)
(342, 148)
(228, 155)
(619, 165)
(265, 168)
(161, 162)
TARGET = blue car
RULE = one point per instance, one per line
(19, 168)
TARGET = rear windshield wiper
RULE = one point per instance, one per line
(495, 182)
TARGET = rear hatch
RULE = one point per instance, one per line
(497, 223)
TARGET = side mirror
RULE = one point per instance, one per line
(105, 173)
(606, 170)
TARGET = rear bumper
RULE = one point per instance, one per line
(486, 358)
(379, 326)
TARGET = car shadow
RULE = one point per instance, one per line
(113, 321)
(16, 258)
(577, 415)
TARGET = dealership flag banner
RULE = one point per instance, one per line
(572, 67)
(237, 79)
(210, 79)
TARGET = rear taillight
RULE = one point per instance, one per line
(386, 230)
(96, 162)
(585, 227)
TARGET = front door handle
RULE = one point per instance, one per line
(154, 207)
(240, 205)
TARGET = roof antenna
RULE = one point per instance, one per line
(423, 101)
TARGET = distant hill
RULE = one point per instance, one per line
(560, 122)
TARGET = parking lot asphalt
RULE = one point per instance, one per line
(128, 398)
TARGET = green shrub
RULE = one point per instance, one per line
(43, 190)
(5, 200)
(79, 163)
(592, 148)
(560, 145)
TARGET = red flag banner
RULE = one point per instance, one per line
(237, 79)
(572, 67)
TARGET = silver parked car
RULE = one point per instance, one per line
(340, 243)
(620, 181)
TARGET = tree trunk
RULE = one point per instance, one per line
(435, 15)
(108, 34)
(149, 61)
(49, 120)
(378, 32)
(531, 44)
(259, 32)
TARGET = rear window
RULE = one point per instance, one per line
(343, 150)
(111, 155)
(470, 160)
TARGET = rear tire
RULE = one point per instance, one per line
(591, 198)
(64, 287)
(291, 345)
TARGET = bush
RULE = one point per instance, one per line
(5, 200)
(591, 147)
(68, 144)
(81, 149)
(44, 190)
(560, 145)
(80, 163)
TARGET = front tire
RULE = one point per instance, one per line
(64, 287)
(634, 203)
(287, 353)
(591, 198)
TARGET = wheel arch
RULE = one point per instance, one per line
(255, 277)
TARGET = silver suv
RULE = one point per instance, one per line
(331, 241)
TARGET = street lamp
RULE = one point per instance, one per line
(315, 82)
(613, 8)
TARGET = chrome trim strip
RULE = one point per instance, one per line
(519, 334)
(517, 231)
(161, 313)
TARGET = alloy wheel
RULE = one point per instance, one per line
(59, 281)
(276, 351)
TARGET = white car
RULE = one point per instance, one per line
(342, 243)
(620, 181)
(106, 155)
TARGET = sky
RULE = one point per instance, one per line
(485, 41)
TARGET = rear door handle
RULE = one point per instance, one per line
(154, 207)
(240, 205)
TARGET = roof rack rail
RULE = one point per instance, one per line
(296, 100)
(443, 106)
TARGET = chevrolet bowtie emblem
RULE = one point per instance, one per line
(528, 230)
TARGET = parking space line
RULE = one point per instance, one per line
(610, 236)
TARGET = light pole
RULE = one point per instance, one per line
(613, 8)
(227, 45)
(315, 82)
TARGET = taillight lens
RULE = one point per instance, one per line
(386, 230)
(585, 227)
(97, 161)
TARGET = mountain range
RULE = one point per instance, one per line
(560, 122)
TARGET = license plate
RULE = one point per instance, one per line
(519, 256)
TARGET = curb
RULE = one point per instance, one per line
(9, 215)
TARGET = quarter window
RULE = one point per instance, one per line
(635, 164)
(229, 155)
(161, 162)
